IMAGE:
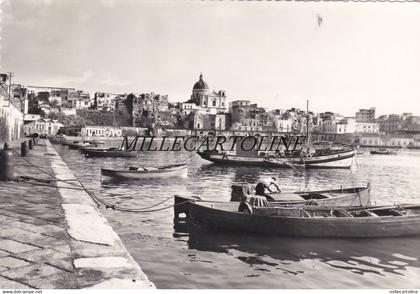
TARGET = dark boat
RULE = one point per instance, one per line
(413, 146)
(302, 220)
(80, 145)
(355, 196)
(108, 152)
(383, 152)
(321, 159)
(173, 170)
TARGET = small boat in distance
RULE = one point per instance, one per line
(173, 170)
(300, 220)
(383, 151)
(122, 151)
(355, 196)
(107, 152)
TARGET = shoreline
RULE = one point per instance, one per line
(52, 235)
(97, 246)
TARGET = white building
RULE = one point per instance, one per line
(186, 108)
(346, 126)
(105, 101)
(100, 131)
(386, 140)
(68, 111)
(367, 127)
(283, 125)
(43, 126)
(82, 103)
(342, 126)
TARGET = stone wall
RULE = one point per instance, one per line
(11, 120)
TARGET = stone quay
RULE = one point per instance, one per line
(52, 236)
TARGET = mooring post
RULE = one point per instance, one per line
(23, 149)
(7, 166)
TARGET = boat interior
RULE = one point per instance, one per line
(258, 205)
(240, 191)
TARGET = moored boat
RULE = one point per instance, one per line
(355, 196)
(55, 139)
(332, 159)
(107, 152)
(80, 145)
(383, 152)
(303, 220)
(74, 145)
(173, 170)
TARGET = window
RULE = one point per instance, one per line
(214, 102)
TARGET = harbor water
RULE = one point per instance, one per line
(220, 260)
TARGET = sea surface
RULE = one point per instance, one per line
(210, 260)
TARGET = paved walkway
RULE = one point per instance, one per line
(49, 241)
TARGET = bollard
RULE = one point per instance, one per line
(6, 164)
(30, 144)
(23, 149)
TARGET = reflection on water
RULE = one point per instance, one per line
(358, 256)
(176, 260)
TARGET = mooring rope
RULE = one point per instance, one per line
(53, 177)
(98, 200)
(82, 187)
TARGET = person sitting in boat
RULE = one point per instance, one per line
(261, 187)
(280, 153)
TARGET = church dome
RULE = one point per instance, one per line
(201, 85)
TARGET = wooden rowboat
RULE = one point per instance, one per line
(147, 172)
(303, 220)
(383, 152)
(79, 145)
(109, 152)
(355, 196)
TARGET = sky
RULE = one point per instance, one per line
(339, 56)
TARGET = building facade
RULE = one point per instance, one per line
(382, 140)
(210, 101)
(43, 126)
(11, 118)
(104, 101)
(366, 115)
(367, 127)
(100, 131)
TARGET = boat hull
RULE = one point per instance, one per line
(383, 152)
(216, 218)
(107, 153)
(171, 171)
(343, 159)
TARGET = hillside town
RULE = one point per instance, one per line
(49, 111)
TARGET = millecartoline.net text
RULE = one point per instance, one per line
(212, 143)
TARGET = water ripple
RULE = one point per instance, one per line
(174, 260)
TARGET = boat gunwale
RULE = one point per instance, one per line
(176, 167)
